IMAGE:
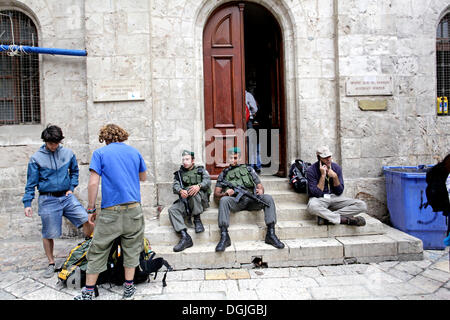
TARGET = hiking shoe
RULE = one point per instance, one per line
(85, 295)
(48, 273)
(358, 221)
(353, 221)
(128, 291)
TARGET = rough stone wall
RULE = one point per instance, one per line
(60, 24)
(389, 38)
(117, 36)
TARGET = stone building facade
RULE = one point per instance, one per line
(158, 45)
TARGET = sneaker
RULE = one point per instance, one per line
(128, 292)
(85, 295)
(48, 273)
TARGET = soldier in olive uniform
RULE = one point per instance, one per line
(196, 188)
(244, 176)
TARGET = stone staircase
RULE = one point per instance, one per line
(307, 244)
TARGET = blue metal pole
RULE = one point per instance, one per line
(28, 49)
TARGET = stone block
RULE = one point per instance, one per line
(406, 243)
(303, 229)
(314, 249)
(246, 251)
(368, 246)
(203, 256)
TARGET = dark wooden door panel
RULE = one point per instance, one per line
(223, 85)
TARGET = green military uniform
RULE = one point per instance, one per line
(197, 175)
(244, 176)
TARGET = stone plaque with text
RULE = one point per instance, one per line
(369, 86)
(118, 90)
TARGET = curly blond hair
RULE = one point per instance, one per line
(112, 133)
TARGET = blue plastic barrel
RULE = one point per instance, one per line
(405, 193)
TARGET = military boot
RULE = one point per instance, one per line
(271, 237)
(224, 241)
(198, 224)
(185, 242)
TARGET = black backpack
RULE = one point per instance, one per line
(297, 176)
(148, 264)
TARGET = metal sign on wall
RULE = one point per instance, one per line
(369, 86)
(118, 90)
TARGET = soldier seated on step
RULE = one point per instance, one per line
(325, 188)
(192, 184)
(243, 176)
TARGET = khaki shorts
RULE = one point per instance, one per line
(110, 224)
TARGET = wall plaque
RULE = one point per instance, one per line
(373, 105)
(369, 86)
(118, 90)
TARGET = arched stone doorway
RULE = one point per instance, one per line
(243, 49)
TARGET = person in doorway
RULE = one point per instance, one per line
(120, 168)
(245, 177)
(325, 188)
(193, 183)
(53, 169)
(253, 145)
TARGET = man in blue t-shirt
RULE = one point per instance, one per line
(120, 168)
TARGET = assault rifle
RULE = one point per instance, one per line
(240, 191)
(184, 200)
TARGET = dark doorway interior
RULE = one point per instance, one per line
(263, 78)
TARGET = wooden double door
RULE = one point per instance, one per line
(226, 78)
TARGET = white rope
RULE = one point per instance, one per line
(19, 50)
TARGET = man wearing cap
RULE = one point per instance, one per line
(243, 176)
(196, 187)
(325, 188)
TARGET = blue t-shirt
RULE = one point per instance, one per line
(119, 166)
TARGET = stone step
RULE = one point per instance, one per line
(394, 245)
(165, 235)
(277, 195)
(285, 211)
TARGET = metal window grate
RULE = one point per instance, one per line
(19, 71)
(443, 65)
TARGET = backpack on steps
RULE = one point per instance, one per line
(297, 175)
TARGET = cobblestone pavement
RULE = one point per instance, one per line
(22, 264)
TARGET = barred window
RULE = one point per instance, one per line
(19, 71)
(443, 57)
